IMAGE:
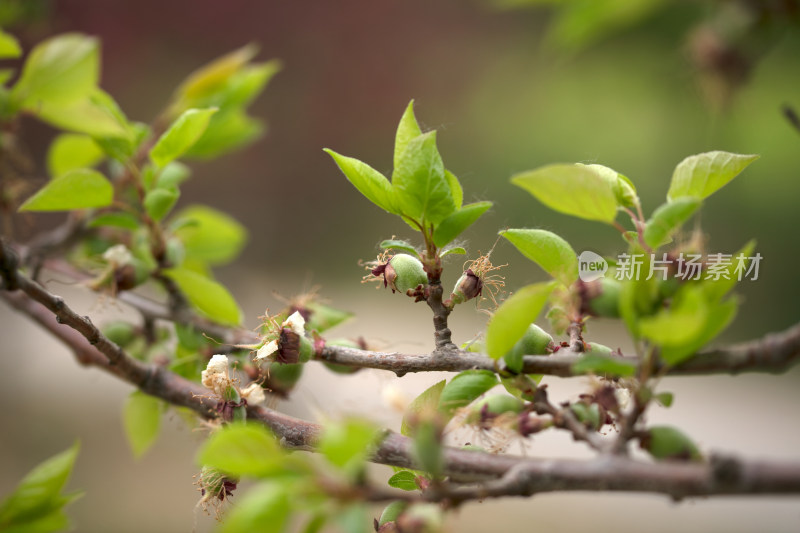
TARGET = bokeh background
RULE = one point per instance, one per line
(508, 90)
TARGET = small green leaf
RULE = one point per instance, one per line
(716, 289)
(142, 419)
(227, 131)
(78, 189)
(9, 46)
(367, 180)
(70, 151)
(209, 235)
(347, 445)
(699, 176)
(667, 219)
(421, 189)
(393, 244)
(173, 175)
(404, 480)
(407, 130)
(212, 78)
(38, 494)
(458, 250)
(60, 70)
(601, 365)
(427, 401)
(664, 398)
(624, 189)
(159, 202)
(181, 135)
(547, 250)
(115, 220)
(207, 296)
(324, 317)
(452, 226)
(681, 322)
(465, 387)
(455, 188)
(719, 317)
(264, 508)
(575, 190)
(512, 318)
(241, 449)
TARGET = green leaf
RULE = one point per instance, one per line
(719, 317)
(208, 80)
(602, 365)
(667, 219)
(241, 449)
(716, 289)
(38, 494)
(664, 398)
(77, 189)
(367, 180)
(54, 521)
(9, 46)
(347, 445)
(142, 419)
(159, 202)
(404, 480)
(458, 250)
(452, 226)
(227, 131)
(60, 70)
(547, 250)
(70, 151)
(393, 244)
(173, 175)
(420, 186)
(264, 508)
(90, 115)
(701, 175)
(465, 387)
(407, 130)
(576, 190)
(115, 220)
(324, 317)
(207, 296)
(181, 135)
(5, 75)
(512, 318)
(209, 235)
(455, 189)
(428, 401)
(681, 322)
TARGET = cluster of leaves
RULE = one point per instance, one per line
(122, 179)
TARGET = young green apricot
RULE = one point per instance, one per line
(536, 341)
(401, 273)
(493, 406)
(601, 297)
(666, 442)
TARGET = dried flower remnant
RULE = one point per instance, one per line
(215, 489)
(400, 272)
(285, 342)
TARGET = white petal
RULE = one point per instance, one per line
(253, 393)
(265, 351)
(118, 255)
(296, 323)
(218, 364)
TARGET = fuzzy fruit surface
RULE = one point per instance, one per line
(405, 272)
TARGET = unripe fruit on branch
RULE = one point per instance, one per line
(493, 406)
(600, 297)
(402, 273)
(535, 341)
(666, 442)
(282, 378)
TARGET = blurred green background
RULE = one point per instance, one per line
(507, 94)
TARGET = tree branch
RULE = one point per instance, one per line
(498, 475)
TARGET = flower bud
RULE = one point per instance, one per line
(401, 273)
(468, 286)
